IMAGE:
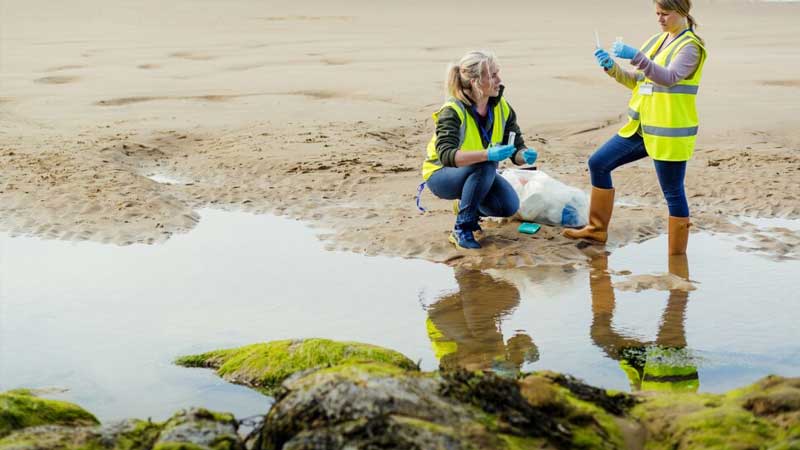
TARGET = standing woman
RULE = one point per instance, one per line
(662, 119)
(463, 155)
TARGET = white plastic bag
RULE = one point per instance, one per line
(545, 200)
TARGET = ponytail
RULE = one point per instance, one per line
(692, 26)
(453, 84)
(462, 78)
(681, 7)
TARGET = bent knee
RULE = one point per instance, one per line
(596, 164)
(510, 207)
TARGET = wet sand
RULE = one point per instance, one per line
(321, 112)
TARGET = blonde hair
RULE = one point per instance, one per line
(681, 7)
(463, 79)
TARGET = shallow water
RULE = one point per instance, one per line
(105, 322)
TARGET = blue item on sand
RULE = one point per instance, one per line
(529, 227)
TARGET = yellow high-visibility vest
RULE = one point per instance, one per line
(469, 134)
(665, 370)
(667, 117)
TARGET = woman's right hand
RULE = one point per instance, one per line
(604, 59)
(500, 152)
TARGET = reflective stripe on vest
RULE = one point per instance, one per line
(469, 133)
(667, 119)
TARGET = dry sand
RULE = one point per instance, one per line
(321, 111)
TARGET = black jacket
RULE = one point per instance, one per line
(448, 130)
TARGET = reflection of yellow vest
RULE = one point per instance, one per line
(668, 116)
(470, 135)
(664, 371)
(441, 345)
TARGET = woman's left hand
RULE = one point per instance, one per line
(623, 51)
(529, 155)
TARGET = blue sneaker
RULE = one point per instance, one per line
(464, 240)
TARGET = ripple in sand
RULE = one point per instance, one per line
(57, 79)
(308, 18)
(167, 179)
(65, 67)
(192, 56)
(207, 98)
(336, 61)
(781, 83)
(243, 67)
(319, 94)
(586, 81)
(326, 94)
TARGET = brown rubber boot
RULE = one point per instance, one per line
(600, 207)
(678, 235)
(679, 266)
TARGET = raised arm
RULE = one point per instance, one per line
(624, 77)
(683, 65)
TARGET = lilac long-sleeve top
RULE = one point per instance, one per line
(683, 65)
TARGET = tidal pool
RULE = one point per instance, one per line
(105, 322)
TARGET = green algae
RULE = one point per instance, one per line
(687, 421)
(266, 365)
(140, 436)
(593, 427)
(19, 409)
(522, 443)
(178, 446)
(428, 426)
(126, 435)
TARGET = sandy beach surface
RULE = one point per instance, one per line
(119, 120)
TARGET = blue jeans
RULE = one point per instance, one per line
(619, 151)
(482, 192)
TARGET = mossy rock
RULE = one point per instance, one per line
(124, 435)
(377, 405)
(689, 421)
(264, 366)
(199, 429)
(21, 409)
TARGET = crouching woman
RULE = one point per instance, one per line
(463, 155)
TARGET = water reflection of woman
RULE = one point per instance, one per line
(661, 365)
(464, 327)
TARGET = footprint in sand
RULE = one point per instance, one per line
(57, 79)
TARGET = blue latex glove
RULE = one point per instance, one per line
(604, 59)
(529, 155)
(623, 51)
(499, 152)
